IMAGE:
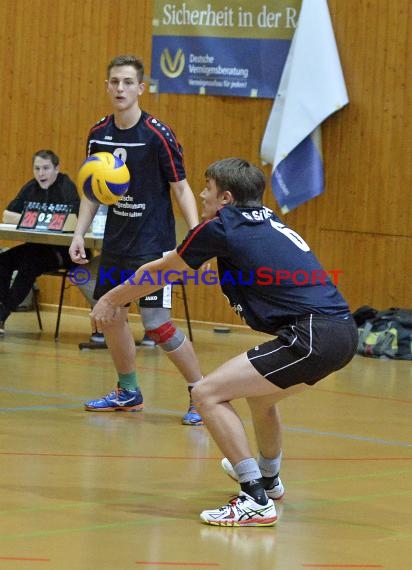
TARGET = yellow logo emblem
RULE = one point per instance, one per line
(172, 66)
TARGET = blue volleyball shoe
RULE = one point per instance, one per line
(192, 416)
(119, 400)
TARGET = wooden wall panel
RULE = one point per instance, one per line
(363, 259)
(53, 70)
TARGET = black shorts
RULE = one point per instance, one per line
(114, 270)
(306, 351)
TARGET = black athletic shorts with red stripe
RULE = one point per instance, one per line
(306, 351)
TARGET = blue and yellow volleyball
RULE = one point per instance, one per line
(103, 178)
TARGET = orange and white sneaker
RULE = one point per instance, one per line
(275, 493)
(241, 511)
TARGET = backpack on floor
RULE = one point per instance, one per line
(384, 334)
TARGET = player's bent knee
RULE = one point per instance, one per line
(201, 396)
(167, 336)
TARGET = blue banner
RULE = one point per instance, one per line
(215, 49)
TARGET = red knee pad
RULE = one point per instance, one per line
(162, 333)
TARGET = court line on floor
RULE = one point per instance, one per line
(165, 371)
(342, 566)
(185, 458)
(89, 528)
(40, 394)
(23, 559)
(191, 564)
(346, 436)
(359, 395)
(306, 431)
(296, 429)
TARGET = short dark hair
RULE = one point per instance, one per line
(245, 181)
(47, 155)
(132, 60)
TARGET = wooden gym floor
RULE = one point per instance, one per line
(116, 491)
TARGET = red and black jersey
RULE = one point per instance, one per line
(266, 269)
(142, 221)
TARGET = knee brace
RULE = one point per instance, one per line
(167, 336)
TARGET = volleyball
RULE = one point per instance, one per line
(103, 178)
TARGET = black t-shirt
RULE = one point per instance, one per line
(142, 221)
(266, 269)
(62, 191)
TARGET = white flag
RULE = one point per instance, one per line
(311, 88)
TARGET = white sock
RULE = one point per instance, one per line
(247, 470)
(269, 467)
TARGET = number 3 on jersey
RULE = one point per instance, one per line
(290, 234)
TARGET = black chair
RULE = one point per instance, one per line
(186, 306)
(62, 273)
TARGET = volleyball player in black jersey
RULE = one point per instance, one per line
(276, 284)
(140, 227)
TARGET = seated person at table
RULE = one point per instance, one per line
(30, 260)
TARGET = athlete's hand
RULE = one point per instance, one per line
(77, 252)
(103, 313)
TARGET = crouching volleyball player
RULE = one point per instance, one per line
(312, 333)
